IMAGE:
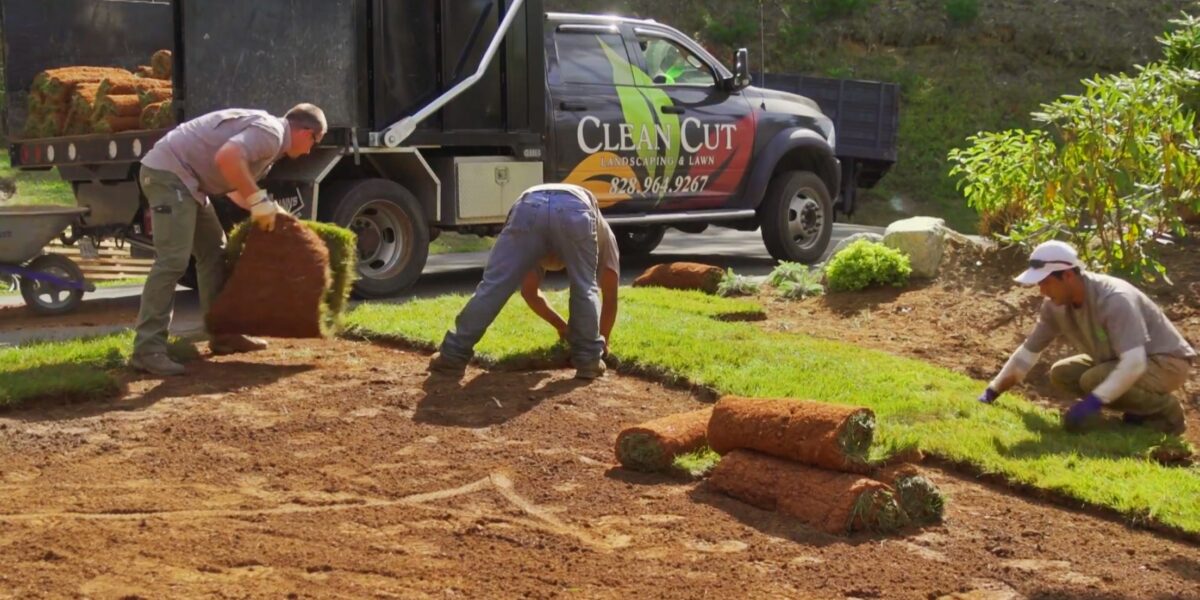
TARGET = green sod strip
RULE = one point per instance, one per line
(697, 464)
(920, 499)
(678, 335)
(641, 452)
(77, 369)
(857, 436)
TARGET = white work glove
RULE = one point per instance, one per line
(263, 210)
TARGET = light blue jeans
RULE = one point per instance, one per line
(539, 224)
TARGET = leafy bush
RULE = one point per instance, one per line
(962, 12)
(864, 264)
(795, 281)
(1111, 170)
(733, 284)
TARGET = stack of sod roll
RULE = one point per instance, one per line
(807, 460)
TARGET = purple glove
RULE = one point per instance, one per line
(989, 396)
(1081, 411)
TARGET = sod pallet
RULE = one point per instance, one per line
(653, 445)
(277, 285)
(833, 502)
(682, 276)
(822, 435)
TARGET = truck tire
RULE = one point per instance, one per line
(393, 236)
(797, 217)
(639, 241)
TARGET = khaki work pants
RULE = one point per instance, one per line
(1152, 397)
(182, 229)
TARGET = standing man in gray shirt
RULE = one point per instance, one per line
(1133, 359)
(222, 153)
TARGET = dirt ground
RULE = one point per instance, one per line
(973, 316)
(341, 469)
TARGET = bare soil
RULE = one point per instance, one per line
(342, 469)
(973, 316)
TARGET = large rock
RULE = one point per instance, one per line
(870, 237)
(922, 239)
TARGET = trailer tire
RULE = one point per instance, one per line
(393, 235)
(797, 217)
(639, 241)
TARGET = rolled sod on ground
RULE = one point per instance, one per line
(653, 446)
(302, 272)
(821, 435)
(682, 276)
(837, 503)
(920, 498)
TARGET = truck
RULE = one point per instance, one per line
(442, 112)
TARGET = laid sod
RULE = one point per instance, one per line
(78, 369)
(691, 337)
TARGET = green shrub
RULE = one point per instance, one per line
(795, 281)
(343, 265)
(864, 264)
(962, 12)
(733, 284)
(836, 9)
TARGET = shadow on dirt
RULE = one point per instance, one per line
(490, 398)
(202, 379)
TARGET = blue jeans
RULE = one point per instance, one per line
(539, 224)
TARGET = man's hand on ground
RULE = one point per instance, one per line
(1079, 413)
(263, 210)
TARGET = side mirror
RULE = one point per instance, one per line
(741, 71)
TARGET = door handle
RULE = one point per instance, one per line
(673, 110)
(571, 106)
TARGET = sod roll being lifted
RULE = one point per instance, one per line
(833, 502)
(277, 286)
(653, 446)
(682, 276)
(812, 433)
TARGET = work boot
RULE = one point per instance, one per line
(157, 363)
(235, 344)
(447, 365)
(595, 370)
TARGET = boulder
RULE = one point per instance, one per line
(870, 237)
(922, 239)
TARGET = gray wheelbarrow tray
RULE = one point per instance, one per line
(25, 230)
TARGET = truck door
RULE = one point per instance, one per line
(706, 160)
(588, 75)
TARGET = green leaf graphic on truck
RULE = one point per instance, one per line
(653, 154)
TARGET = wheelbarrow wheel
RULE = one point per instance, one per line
(46, 298)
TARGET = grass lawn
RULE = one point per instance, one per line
(453, 243)
(679, 335)
(78, 369)
(35, 187)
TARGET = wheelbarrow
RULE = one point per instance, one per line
(51, 284)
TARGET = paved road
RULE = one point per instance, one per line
(459, 273)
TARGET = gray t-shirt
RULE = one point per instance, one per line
(609, 257)
(1115, 318)
(189, 151)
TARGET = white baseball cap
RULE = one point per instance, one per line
(1047, 258)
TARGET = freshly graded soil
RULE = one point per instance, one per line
(682, 276)
(653, 446)
(830, 501)
(276, 286)
(326, 468)
(821, 435)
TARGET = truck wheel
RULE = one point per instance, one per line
(393, 237)
(45, 298)
(639, 241)
(797, 217)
